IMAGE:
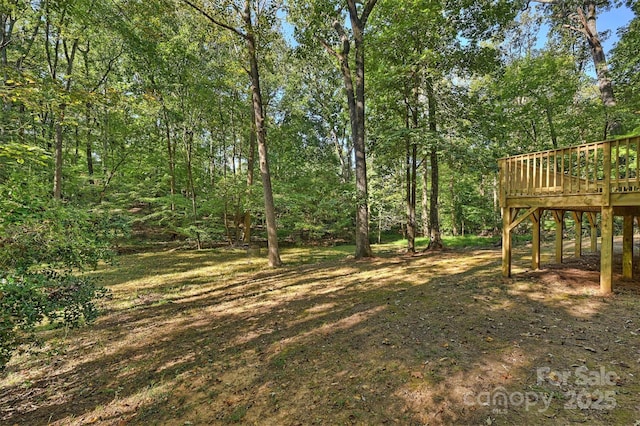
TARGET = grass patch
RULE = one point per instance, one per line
(454, 242)
(238, 414)
(215, 336)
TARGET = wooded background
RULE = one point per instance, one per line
(215, 122)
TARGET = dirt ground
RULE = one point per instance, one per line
(215, 337)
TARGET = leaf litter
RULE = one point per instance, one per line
(436, 338)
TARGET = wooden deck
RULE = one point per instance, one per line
(600, 178)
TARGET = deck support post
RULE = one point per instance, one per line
(627, 248)
(558, 216)
(577, 217)
(506, 241)
(606, 252)
(593, 224)
(535, 243)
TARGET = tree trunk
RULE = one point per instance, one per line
(496, 204)
(106, 139)
(57, 174)
(411, 166)
(587, 16)
(212, 164)
(425, 199)
(250, 163)
(343, 155)
(225, 194)
(89, 146)
(454, 218)
(171, 158)
(261, 133)
(411, 236)
(76, 151)
(188, 139)
(356, 103)
(363, 248)
(435, 241)
(362, 230)
(89, 153)
(414, 169)
(8, 22)
(552, 128)
(59, 131)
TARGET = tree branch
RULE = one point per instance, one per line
(367, 11)
(582, 20)
(344, 38)
(528, 2)
(576, 29)
(106, 73)
(328, 48)
(7, 33)
(353, 12)
(585, 24)
(30, 42)
(214, 20)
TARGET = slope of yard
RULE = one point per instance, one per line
(215, 337)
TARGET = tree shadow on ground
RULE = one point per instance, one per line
(414, 340)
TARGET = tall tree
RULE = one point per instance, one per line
(333, 14)
(60, 43)
(435, 238)
(581, 16)
(626, 70)
(399, 70)
(540, 89)
(245, 28)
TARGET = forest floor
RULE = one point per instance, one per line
(215, 337)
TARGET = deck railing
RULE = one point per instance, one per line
(595, 168)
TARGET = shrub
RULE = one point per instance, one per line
(43, 243)
(28, 299)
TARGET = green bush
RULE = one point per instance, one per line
(28, 299)
(43, 243)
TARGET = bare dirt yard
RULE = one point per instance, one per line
(215, 337)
